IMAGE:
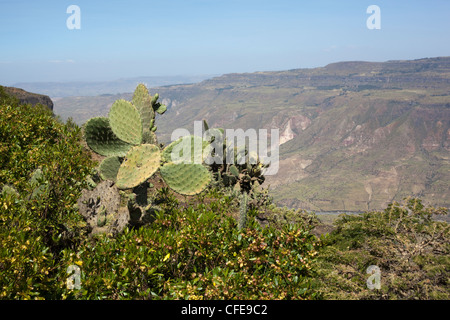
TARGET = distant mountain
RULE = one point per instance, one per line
(356, 135)
(91, 88)
(26, 97)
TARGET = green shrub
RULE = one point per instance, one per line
(6, 99)
(38, 220)
(193, 250)
(411, 249)
(196, 252)
(188, 252)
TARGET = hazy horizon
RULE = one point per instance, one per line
(129, 39)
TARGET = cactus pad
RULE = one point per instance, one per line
(109, 167)
(143, 103)
(178, 150)
(125, 122)
(102, 140)
(186, 179)
(160, 108)
(140, 164)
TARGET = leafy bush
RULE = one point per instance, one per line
(6, 99)
(37, 220)
(411, 249)
(196, 252)
(189, 252)
(193, 250)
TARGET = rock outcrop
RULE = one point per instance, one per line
(26, 97)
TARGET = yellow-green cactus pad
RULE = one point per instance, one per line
(140, 164)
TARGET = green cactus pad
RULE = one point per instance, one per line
(186, 179)
(125, 122)
(143, 103)
(177, 148)
(102, 140)
(154, 99)
(109, 167)
(159, 108)
(140, 164)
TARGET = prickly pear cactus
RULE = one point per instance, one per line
(143, 103)
(125, 122)
(159, 108)
(139, 165)
(102, 140)
(128, 141)
(129, 124)
(109, 168)
(234, 170)
(182, 167)
(147, 106)
(186, 179)
(127, 138)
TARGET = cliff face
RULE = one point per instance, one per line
(355, 135)
(26, 97)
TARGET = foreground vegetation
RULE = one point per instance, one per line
(193, 248)
(408, 244)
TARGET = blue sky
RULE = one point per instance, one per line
(120, 39)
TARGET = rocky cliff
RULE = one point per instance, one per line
(26, 97)
(355, 135)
